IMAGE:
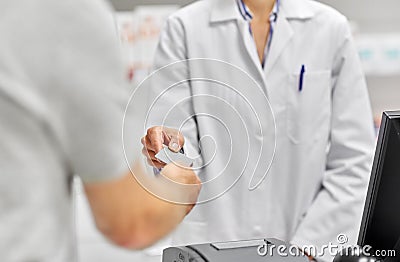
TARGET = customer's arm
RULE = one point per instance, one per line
(90, 96)
(132, 217)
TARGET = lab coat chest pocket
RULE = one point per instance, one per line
(308, 107)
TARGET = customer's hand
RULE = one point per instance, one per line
(180, 188)
(189, 180)
(154, 140)
(137, 210)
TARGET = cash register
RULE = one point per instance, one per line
(249, 250)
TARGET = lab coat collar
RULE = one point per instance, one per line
(225, 10)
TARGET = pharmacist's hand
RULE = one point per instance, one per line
(154, 140)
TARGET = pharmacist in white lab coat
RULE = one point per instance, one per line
(304, 58)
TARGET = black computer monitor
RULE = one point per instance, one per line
(380, 227)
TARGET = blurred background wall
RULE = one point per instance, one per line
(372, 16)
(123, 5)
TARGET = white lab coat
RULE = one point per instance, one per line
(316, 186)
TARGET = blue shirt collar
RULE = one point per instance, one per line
(225, 10)
(248, 16)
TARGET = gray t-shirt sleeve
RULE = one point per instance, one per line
(62, 99)
(95, 92)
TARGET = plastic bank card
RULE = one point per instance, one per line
(167, 156)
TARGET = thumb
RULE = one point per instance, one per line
(174, 144)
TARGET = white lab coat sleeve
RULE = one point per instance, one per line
(337, 208)
(174, 108)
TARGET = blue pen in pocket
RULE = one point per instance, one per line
(301, 79)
